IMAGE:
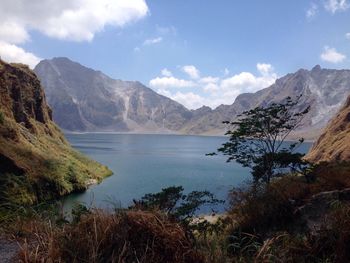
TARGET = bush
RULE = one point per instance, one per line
(260, 209)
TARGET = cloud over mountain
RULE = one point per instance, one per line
(209, 90)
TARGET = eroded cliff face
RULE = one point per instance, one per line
(334, 142)
(36, 162)
(84, 99)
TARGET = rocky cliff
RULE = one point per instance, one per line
(87, 100)
(334, 143)
(36, 162)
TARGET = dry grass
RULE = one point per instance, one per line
(133, 236)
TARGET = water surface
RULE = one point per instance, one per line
(147, 163)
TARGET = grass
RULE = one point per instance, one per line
(129, 236)
(52, 168)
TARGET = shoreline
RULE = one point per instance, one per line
(166, 134)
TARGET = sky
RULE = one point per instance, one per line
(197, 52)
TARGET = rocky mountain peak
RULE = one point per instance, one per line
(84, 99)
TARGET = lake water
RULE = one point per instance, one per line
(147, 163)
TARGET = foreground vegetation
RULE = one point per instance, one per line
(290, 220)
(291, 211)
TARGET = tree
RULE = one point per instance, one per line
(175, 203)
(257, 140)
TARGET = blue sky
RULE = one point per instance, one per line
(196, 52)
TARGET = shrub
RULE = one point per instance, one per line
(260, 209)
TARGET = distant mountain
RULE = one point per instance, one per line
(334, 143)
(36, 162)
(325, 90)
(87, 100)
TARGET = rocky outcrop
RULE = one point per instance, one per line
(313, 212)
(334, 143)
(36, 162)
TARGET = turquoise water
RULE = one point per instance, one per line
(147, 163)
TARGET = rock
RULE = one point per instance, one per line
(334, 142)
(87, 100)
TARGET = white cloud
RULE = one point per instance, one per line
(13, 33)
(152, 41)
(189, 99)
(332, 55)
(312, 11)
(75, 20)
(167, 73)
(347, 35)
(170, 82)
(247, 82)
(226, 71)
(12, 53)
(211, 87)
(334, 6)
(265, 69)
(213, 91)
(191, 71)
(209, 80)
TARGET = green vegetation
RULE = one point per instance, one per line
(42, 166)
(175, 204)
(257, 140)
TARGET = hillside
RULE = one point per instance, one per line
(36, 162)
(83, 99)
(334, 143)
(324, 90)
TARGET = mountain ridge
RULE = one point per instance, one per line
(99, 102)
(84, 99)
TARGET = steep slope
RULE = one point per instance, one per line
(36, 162)
(325, 90)
(334, 143)
(83, 99)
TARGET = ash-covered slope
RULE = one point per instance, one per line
(334, 143)
(325, 90)
(36, 162)
(83, 99)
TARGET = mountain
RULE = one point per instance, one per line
(334, 143)
(36, 162)
(325, 90)
(87, 100)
